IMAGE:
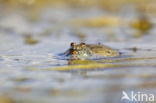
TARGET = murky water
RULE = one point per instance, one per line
(30, 66)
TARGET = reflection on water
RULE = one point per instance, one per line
(33, 33)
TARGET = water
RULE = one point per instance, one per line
(54, 30)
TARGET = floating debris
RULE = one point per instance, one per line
(100, 21)
(30, 40)
(5, 99)
(143, 24)
(134, 49)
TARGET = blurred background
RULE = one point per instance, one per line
(34, 32)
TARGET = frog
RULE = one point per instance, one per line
(83, 51)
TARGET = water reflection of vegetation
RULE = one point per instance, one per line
(100, 64)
